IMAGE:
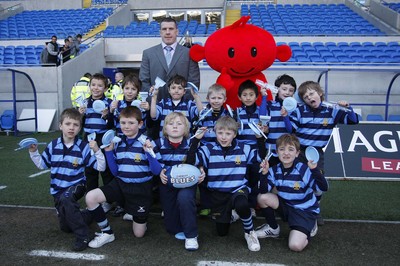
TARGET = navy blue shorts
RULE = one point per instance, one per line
(136, 198)
(300, 220)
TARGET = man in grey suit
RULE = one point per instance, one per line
(154, 60)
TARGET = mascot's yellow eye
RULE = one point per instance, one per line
(253, 51)
(231, 52)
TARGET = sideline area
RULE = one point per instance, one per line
(27, 230)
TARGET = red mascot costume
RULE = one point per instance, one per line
(240, 52)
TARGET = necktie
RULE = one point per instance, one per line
(168, 55)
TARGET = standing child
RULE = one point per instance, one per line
(225, 163)
(286, 88)
(97, 123)
(247, 114)
(216, 97)
(289, 188)
(179, 204)
(133, 168)
(175, 102)
(68, 179)
(130, 87)
(313, 122)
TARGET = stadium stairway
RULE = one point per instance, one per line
(231, 16)
(95, 31)
(86, 3)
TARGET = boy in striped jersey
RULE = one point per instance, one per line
(314, 121)
(225, 163)
(216, 97)
(97, 123)
(175, 102)
(289, 188)
(131, 87)
(67, 156)
(247, 114)
(286, 88)
(133, 168)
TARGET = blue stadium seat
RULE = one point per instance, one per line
(394, 117)
(7, 120)
(374, 117)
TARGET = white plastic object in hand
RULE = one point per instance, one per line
(265, 119)
(99, 106)
(268, 156)
(116, 109)
(158, 83)
(136, 103)
(198, 132)
(107, 138)
(192, 86)
(290, 104)
(142, 139)
(26, 143)
(230, 111)
(81, 101)
(334, 105)
(90, 137)
(254, 127)
(203, 115)
(266, 85)
(143, 95)
(312, 154)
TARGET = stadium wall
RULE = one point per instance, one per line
(122, 16)
(174, 4)
(386, 14)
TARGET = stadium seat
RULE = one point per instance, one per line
(394, 118)
(374, 117)
(7, 120)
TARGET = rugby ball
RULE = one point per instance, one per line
(182, 175)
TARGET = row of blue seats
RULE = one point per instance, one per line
(152, 29)
(309, 20)
(44, 23)
(22, 55)
(378, 117)
(344, 53)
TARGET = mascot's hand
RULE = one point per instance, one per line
(225, 79)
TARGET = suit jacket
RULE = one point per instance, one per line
(154, 65)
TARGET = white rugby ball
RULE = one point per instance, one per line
(182, 175)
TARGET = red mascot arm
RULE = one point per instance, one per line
(197, 53)
(225, 80)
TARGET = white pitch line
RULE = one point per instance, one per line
(26, 207)
(3, 187)
(40, 173)
(66, 255)
(228, 263)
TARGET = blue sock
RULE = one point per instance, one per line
(247, 224)
(100, 217)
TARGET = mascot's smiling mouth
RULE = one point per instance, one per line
(242, 73)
